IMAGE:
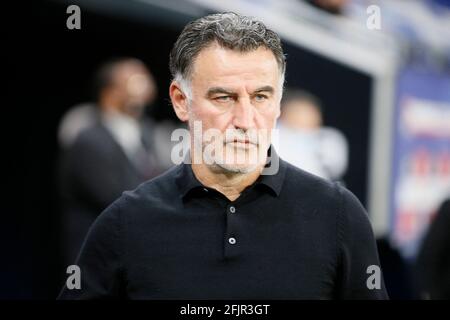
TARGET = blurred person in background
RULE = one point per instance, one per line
(108, 147)
(305, 142)
(330, 6)
(74, 121)
(433, 261)
(396, 271)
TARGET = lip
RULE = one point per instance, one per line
(245, 143)
(241, 141)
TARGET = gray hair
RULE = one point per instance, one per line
(229, 30)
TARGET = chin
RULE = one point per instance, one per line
(238, 168)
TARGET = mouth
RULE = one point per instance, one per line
(246, 141)
(243, 143)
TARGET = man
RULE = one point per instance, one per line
(220, 228)
(305, 142)
(433, 261)
(112, 151)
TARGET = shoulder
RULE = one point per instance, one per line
(316, 192)
(305, 185)
(148, 202)
(95, 132)
(156, 192)
(95, 141)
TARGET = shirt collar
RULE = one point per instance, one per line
(125, 131)
(272, 177)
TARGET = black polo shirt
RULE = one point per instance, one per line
(290, 235)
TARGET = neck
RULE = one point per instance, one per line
(230, 184)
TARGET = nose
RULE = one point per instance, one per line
(243, 115)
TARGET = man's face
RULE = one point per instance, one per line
(301, 114)
(238, 96)
(135, 86)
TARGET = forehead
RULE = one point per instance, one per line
(300, 104)
(129, 68)
(221, 66)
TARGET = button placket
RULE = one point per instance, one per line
(232, 231)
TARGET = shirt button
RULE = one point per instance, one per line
(232, 209)
(231, 240)
(204, 189)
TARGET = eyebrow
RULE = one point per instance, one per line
(268, 89)
(217, 90)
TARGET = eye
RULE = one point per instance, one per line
(260, 97)
(223, 98)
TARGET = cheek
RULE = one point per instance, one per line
(266, 119)
(211, 117)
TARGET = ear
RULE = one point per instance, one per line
(179, 101)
